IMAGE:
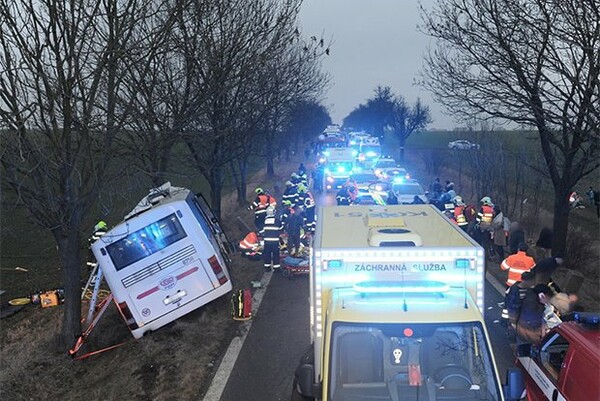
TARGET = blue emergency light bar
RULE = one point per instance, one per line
(395, 287)
(341, 169)
(398, 180)
(462, 263)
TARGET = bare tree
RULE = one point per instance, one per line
(531, 62)
(242, 54)
(60, 77)
(406, 119)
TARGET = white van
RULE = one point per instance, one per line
(167, 258)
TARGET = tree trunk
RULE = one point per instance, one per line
(243, 163)
(402, 143)
(70, 260)
(269, 156)
(561, 220)
(216, 187)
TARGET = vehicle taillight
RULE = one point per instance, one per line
(128, 316)
(217, 269)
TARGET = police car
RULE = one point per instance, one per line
(566, 363)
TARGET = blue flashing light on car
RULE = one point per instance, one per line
(341, 169)
(398, 180)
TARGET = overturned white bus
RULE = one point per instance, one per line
(167, 258)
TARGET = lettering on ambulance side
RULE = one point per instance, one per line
(383, 215)
(541, 379)
(400, 267)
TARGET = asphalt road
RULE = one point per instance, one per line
(279, 336)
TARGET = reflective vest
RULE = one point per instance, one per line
(516, 265)
(291, 195)
(459, 216)
(261, 203)
(485, 216)
(250, 241)
(272, 230)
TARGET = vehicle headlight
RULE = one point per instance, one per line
(371, 154)
(329, 179)
(341, 169)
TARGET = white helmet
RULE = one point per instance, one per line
(270, 211)
(458, 201)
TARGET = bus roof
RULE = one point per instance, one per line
(349, 227)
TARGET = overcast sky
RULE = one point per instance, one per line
(375, 42)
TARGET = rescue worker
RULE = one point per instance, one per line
(517, 264)
(293, 225)
(486, 214)
(260, 205)
(318, 177)
(290, 193)
(447, 202)
(271, 232)
(309, 213)
(352, 189)
(295, 180)
(458, 214)
(286, 210)
(530, 322)
(513, 299)
(417, 200)
(100, 229)
(343, 197)
(392, 198)
(302, 189)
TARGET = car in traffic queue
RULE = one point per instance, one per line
(565, 365)
(405, 191)
(463, 144)
(364, 181)
(369, 152)
(387, 168)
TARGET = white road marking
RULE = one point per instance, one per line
(226, 366)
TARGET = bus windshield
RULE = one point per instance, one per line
(411, 362)
(146, 241)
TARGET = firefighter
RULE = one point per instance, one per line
(290, 193)
(517, 264)
(302, 176)
(99, 230)
(271, 232)
(302, 189)
(318, 177)
(286, 211)
(293, 226)
(295, 180)
(309, 213)
(352, 189)
(260, 205)
(486, 214)
(343, 197)
(458, 214)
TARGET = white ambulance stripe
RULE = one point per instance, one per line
(540, 378)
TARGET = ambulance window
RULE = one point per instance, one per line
(553, 353)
